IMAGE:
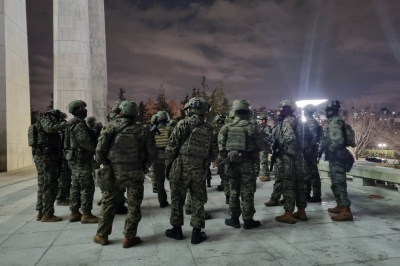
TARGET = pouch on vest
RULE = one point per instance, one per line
(162, 139)
(125, 148)
(236, 139)
(32, 135)
(199, 142)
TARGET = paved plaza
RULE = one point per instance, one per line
(372, 239)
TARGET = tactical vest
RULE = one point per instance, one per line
(198, 143)
(125, 145)
(238, 137)
(162, 139)
(37, 138)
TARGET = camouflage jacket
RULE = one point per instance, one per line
(48, 136)
(182, 132)
(288, 136)
(333, 138)
(147, 150)
(254, 141)
(80, 139)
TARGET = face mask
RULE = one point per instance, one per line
(81, 113)
(329, 113)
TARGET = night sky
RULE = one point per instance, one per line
(263, 51)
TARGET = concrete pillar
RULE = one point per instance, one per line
(98, 59)
(72, 63)
(14, 86)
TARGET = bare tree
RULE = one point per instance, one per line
(364, 118)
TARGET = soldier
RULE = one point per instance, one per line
(153, 127)
(162, 140)
(80, 146)
(291, 164)
(191, 146)
(277, 188)
(310, 153)
(94, 126)
(239, 145)
(114, 112)
(219, 122)
(45, 140)
(336, 153)
(128, 147)
(172, 123)
(64, 176)
(265, 130)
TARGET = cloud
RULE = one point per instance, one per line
(263, 51)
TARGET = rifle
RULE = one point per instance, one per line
(268, 139)
(155, 129)
(275, 154)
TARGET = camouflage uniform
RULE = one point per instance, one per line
(243, 140)
(191, 145)
(310, 153)
(159, 164)
(128, 147)
(277, 188)
(64, 180)
(264, 169)
(153, 123)
(45, 154)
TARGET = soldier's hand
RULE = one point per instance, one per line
(72, 121)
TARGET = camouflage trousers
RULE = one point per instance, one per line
(264, 169)
(64, 182)
(191, 177)
(242, 178)
(339, 185)
(132, 181)
(313, 180)
(82, 186)
(293, 186)
(224, 179)
(277, 188)
(159, 178)
(152, 177)
(47, 184)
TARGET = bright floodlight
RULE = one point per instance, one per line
(303, 103)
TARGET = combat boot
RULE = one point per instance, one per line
(335, 210)
(344, 215)
(121, 210)
(314, 199)
(264, 178)
(127, 243)
(227, 199)
(250, 224)
(102, 240)
(271, 203)
(282, 201)
(62, 203)
(89, 218)
(188, 212)
(175, 232)
(75, 216)
(155, 190)
(286, 218)
(300, 214)
(198, 236)
(209, 182)
(164, 204)
(233, 221)
(308, 196)
(51, 219)
(207, 215)
(39, 216)
(99, 202)
(220, 188)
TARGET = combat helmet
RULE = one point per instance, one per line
(116, 108)
(128, 108)
(240, 105)
(198, 105)
(231, 113)
(75, 104)
(310, 108)
(63, 115)
(162, 116)
(334, 104)
(290, 103)
(154, 118)
(172, 122)
(263, 117)
(56, 113)
(219, 117)
(186, 106)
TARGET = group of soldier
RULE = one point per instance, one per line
(66, 154)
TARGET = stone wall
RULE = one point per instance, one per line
(72, 63)
(14, 86)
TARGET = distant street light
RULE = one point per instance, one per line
(382, 145)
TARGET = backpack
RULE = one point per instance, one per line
(237, 137)
(33, 135)
(349, 136)
(198, 143)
